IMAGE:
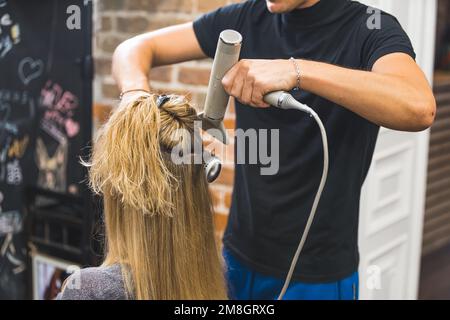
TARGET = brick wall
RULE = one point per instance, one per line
(117, 20)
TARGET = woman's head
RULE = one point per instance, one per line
(158, 214)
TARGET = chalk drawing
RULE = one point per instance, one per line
(59, 109)
(72, 128)
(13, 173)
(5, 112)
(12, 147)
(10, 222)
(9, 251)
(18, 147)
(30, 69)
(52, 169)
(9, 34)
(5, 124)
(54, 97)
(3, 157)
(18, 99)
(53, 131)
(51, 94)
(67, 103)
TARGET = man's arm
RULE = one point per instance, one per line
(134, 58)
(395, 94)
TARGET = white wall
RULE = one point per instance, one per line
(392, 202)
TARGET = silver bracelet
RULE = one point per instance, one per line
(132, 90)
(297, 69)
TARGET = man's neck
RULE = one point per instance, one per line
(307, 4)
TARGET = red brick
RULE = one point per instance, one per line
(188, 75)
(226, 176)
(230, 152)
(106, 23)
(220, 222)
(109, 43)
(103, 66)
(105, 5)
(101, 112)
(110, 91)
(216, 197)
(227, 199)
(231, 110)
(229, 123)
(156, 23)
(133, 24)
(160, 5)
(163, 74)
(208, 5)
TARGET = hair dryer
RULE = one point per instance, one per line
(227, 54)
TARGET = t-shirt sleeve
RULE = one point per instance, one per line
(382, 39)
(208, 27)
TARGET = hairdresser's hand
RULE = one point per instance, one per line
(249, 80)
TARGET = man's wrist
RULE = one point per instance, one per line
(137, 83)
(297, 73)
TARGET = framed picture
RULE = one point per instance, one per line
(49, 275)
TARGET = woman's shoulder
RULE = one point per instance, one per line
(99, 283)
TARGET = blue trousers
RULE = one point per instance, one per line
(246, 284)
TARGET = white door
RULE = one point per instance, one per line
(392, 201)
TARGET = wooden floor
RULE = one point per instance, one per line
(435, 276)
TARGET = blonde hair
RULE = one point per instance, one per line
(158, 215)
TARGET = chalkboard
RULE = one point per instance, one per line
(45, 84)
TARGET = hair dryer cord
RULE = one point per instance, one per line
(284, 100)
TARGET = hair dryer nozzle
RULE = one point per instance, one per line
(214, 128)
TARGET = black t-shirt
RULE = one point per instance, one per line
(269, 212)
